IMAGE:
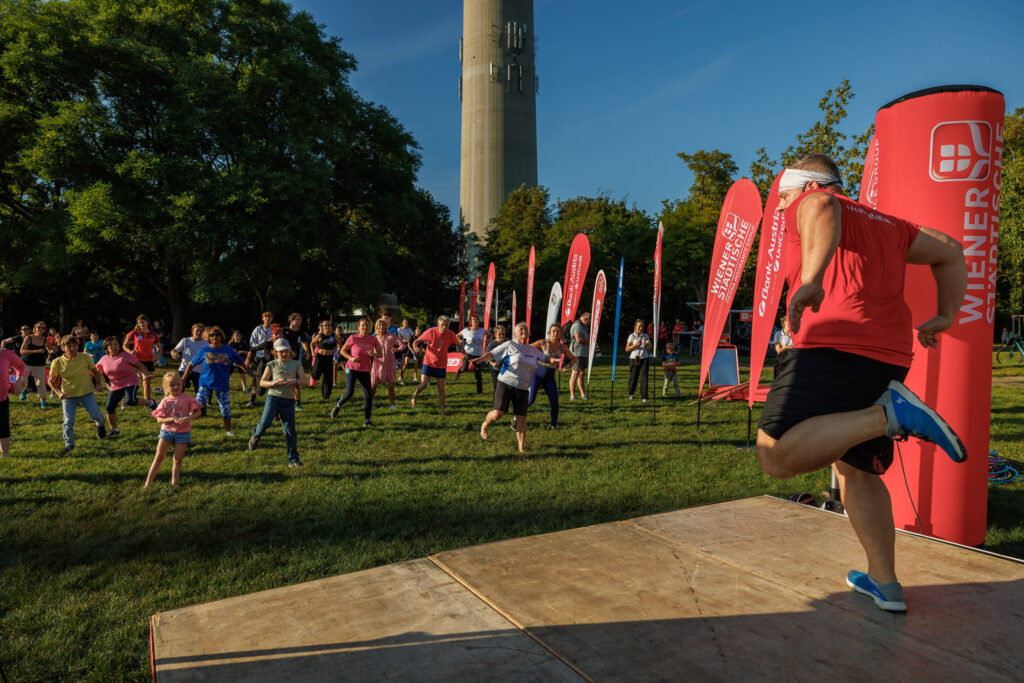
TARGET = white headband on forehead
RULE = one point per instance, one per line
(795, 177)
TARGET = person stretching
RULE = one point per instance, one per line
(435, 360)
(359, 350)
(553, 349)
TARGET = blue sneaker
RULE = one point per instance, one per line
(909, 416)
(888, 596)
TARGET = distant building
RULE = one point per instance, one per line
(498, 92)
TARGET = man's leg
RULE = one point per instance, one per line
(817, 442)
(869, 507)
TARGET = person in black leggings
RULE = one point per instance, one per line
(547, 378)
(324, 344)
(359, 349)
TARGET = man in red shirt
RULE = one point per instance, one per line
(435, 360)
(838, 397)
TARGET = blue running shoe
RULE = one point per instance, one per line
(909, 416)
(888, 596)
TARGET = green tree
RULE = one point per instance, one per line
(524, 220)
(1010, 269)
(713, 174)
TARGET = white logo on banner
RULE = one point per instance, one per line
(961, 150)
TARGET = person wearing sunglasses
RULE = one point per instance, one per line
(216, 359)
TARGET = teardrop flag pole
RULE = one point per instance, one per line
(575, 274)
(462, 305)
(657, 311)
(488, 299)
(615, 335)
(514, 314)
(530, 270)
(474, 308)
(600, 287)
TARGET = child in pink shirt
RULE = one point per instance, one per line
(174, 414)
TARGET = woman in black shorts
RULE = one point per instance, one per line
(518, 362)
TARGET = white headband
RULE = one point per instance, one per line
(794, 177)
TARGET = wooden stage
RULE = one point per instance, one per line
(751, 589)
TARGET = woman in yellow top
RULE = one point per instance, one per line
(71, 378)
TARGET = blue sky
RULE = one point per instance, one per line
(625, 86)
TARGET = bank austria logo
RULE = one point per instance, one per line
(961, 151)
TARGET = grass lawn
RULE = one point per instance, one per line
(86, 556)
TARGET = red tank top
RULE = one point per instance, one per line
(863, 311)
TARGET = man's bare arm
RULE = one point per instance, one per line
(949, 268)
(819, 222)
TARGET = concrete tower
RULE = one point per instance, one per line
(498, 91)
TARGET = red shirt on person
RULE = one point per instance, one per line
(436, 355)
(141, 343)
(863, 311)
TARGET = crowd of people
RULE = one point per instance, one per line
(74, 368)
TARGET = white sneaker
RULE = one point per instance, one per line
(394, 407)
(631, 397)
(228, 432)
(644, 400)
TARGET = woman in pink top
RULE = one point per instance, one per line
(8, 360)
(384, 367)
(122, 372)
(435, 360)
(359, 350)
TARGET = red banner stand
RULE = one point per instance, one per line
(936, 160)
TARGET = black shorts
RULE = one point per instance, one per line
(813, 382)
(148, 364)
(581, 363)
(5, 419)
(506, 393)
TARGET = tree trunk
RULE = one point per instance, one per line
(177, 297)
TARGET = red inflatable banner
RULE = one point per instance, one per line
(475, 305)
(530, 269)
(768, 283)
(462, 305)
(489, 296)
(575, 273)
(741, 213)
(657, 286)
(596, 306)
(937, 161)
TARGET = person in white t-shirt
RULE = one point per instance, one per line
(406, 334)
(518, 361)
(638, 346)
(473, 339)
(185, 350)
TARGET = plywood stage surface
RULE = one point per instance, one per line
(750, 589)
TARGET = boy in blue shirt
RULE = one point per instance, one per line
(216, 359)
(669, 363)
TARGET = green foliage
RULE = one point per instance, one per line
(1010, 270)
(200, 148)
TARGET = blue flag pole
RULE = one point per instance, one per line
(615, 337)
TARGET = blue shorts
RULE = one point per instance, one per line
(176, 437)
(436, 373)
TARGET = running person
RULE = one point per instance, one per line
(473, 340)
(518, 361)
(241, 347)
(838, 398)
(216, 359)
(145, 344)
(553, 349)
(122, 370)
(359, 350)
(185, 351)
(72, 379)
(406, 333)
(8, 360)
(35, 348)
(383, 371)
(435, 359)
(324, 346)
(298, 340)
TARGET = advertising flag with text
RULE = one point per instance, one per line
(530, 269)
(869, 180)
(741, 213)
(600, 287)
(554, 304)
(657, 286)
(575, 273)
(768, 283)
(462, 305)
(514, 311)
(489, 297)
